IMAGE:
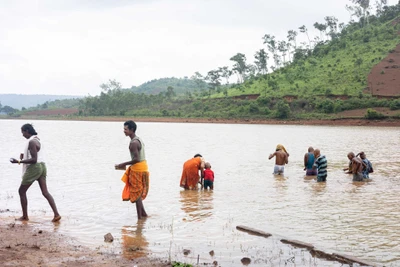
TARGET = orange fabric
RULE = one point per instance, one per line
(190, 174)
(137, 180)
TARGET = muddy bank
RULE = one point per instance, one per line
(23, 244)
(345, 121)
(383, 80)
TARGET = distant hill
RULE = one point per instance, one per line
(18, 101)
(180, 86)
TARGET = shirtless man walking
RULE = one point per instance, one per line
(281, 158)
(357, 167)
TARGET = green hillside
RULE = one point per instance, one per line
(180, 86)
(338, 67)
(315, 79)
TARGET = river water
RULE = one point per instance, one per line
(358, 219)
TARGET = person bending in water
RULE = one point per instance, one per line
(34, 169)
(357, 167)
(281, 158)
(349, 169)
(309, 160)
(193, 170)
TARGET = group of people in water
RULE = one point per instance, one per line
(196, 171)
(316, 164)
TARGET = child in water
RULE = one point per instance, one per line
(208, 177)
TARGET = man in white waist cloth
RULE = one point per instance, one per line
(281, 158)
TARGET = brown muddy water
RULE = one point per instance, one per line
(358, 219)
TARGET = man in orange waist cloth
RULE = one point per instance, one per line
(190, 174)
(136, 177)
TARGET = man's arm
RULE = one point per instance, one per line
(315, 165)
(202, 166)
(272, 155)
(305, 160)
(134, 148)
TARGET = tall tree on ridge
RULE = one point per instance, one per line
(322, 29)
(240, 66)
(261, 61)
(364, 4)
(225, 72)
(303, 29)
(282, 47)
(271, 44)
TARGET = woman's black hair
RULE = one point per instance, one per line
(28, 128)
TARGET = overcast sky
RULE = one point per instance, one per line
(71, 47)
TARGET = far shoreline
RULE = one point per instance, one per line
(356, 121)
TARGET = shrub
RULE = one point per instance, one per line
(326, 106)
(395, 104)
(373, 114)
(282, 109)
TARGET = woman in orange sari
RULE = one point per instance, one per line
(190, 174)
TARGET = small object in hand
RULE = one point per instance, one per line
(117, 167)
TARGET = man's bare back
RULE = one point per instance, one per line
(281, 157)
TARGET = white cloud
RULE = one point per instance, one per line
(70, 47)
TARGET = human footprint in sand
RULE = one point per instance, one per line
(33, 169)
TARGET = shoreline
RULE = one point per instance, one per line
(27, 244)
(349, 121)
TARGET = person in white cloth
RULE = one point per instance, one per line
(33, 169)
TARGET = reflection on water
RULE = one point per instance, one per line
(197, 204)
(355, 218)
(134, 244)
(318, 188)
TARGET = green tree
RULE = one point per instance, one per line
(332, 23)
(380, 5)
(111, 85)
(225, 72)
(213, 77)
(364, 4)
(282, 109)
(303, 29)
(282, 47)
(322, 28)
(170, 92)
(8, 110)
(261, 61)
(272, 46)
(292, 37)
(198, 79)
(240, 66)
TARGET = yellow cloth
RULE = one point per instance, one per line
(281, 147)
(138, 167)
(136, 179)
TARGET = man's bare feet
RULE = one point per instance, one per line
(56, 218)
(22, 219)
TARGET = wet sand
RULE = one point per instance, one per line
(25, 244)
